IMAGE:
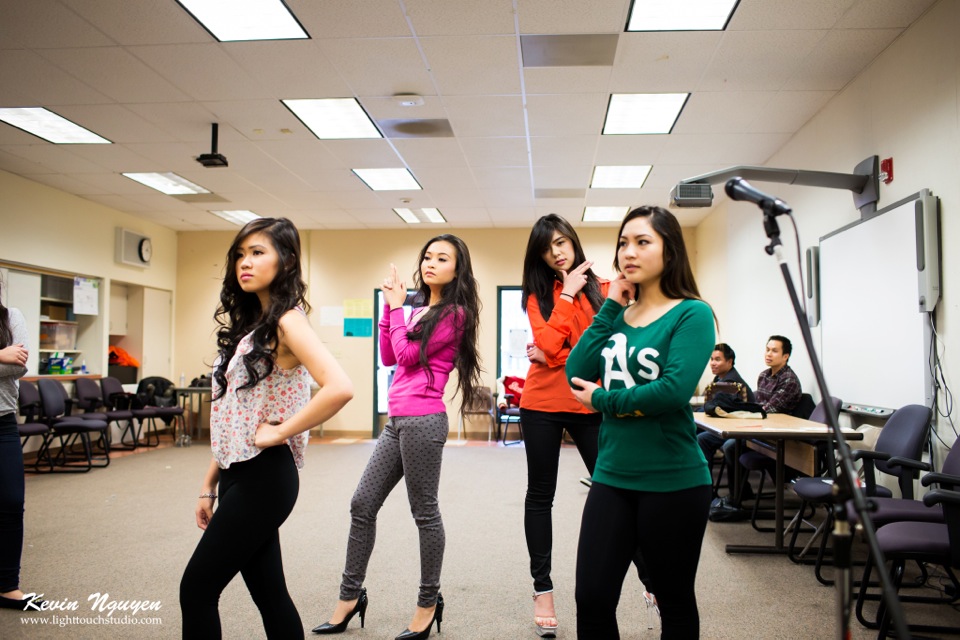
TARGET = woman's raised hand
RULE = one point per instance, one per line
(394, 291)
(575, 279)
(621, 290)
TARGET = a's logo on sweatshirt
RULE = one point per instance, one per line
(615, 356)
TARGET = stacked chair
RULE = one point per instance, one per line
(119, 405)
(69, 431)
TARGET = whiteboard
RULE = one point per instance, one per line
(875, 335)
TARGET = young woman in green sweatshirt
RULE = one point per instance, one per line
(648, 346)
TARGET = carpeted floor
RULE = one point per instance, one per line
(128, 531)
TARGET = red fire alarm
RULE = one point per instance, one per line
(886, 170)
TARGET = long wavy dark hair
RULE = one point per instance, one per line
(6, 332)
(461, 298)
(538, 277)
(677, 279)
(240, 312)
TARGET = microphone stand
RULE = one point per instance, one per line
(844, 487)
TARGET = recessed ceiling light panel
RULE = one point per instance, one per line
(643, 113)
(614, 177)
(334, 118)
(49, 126)
(241, 20)
(680, 15)
(388, 179)
(236, 216)
(168, 183)
(604, 214)
(407, 216)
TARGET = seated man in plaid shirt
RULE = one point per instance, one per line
(778, 391)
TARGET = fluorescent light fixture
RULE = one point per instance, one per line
(433, 215)
(233, 20)
(604, 214)
(680, 15)
(334, 118)
(49, 126)
(168, 183)
(407, 215)
(388, 179)
(610, 177)
(643, 113)
(237, 216)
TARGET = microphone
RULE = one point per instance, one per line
(740, 189)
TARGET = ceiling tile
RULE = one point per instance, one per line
(787, 111)
(511, 177)
(289, 68)
(439, 18)
(363, 154)
(723, 148)
(883, 14)
(555, 80)
(472, 65)
(114, 122)
(486, 116)
(572, 113)
(430, 152)
(564, 150)
(714, 112)
(445, 178)
(562, 177)
(379, 66)
(42, 82)
(116, 73)
(630, 150)
(662, 62)
(218, 77)
(758, 61)
(839, 57)
(141, 22)
(367, 19)
(573, 16)
(389, 109)
(578, 50)
(43, 24)
(495, 152)
(775, 15)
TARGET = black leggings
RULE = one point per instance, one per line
(243, 536)
(668, 527)
(542, 435)
(11, 503)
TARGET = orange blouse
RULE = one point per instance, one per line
(546, 387)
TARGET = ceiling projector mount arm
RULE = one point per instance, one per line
(864, 182)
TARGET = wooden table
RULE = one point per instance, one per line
(772, 436)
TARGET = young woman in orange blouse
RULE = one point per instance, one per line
(561, 294)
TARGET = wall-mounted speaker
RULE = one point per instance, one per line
(812, 292)
(133, 248)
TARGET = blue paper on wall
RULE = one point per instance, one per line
(357, 327)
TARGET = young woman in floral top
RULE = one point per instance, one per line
(261, 414)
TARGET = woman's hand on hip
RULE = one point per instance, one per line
(268, 435)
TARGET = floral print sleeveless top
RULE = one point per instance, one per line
(235, 416)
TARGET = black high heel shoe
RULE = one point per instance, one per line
(423, 635)
(361, 607)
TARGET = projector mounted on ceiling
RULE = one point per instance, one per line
(213, 159)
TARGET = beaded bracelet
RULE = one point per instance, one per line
(208, 495)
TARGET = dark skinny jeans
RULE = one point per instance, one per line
(543, 435)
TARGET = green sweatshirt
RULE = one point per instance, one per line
(648, 440)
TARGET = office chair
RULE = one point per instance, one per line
(902, 437)
(70, 431)
(119, 403)
(28, 403)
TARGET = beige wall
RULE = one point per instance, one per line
(342, 265)
(53, 230)
(905, 105)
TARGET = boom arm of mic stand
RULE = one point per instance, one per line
(844, 487)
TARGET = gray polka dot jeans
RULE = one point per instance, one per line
(409, 447)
